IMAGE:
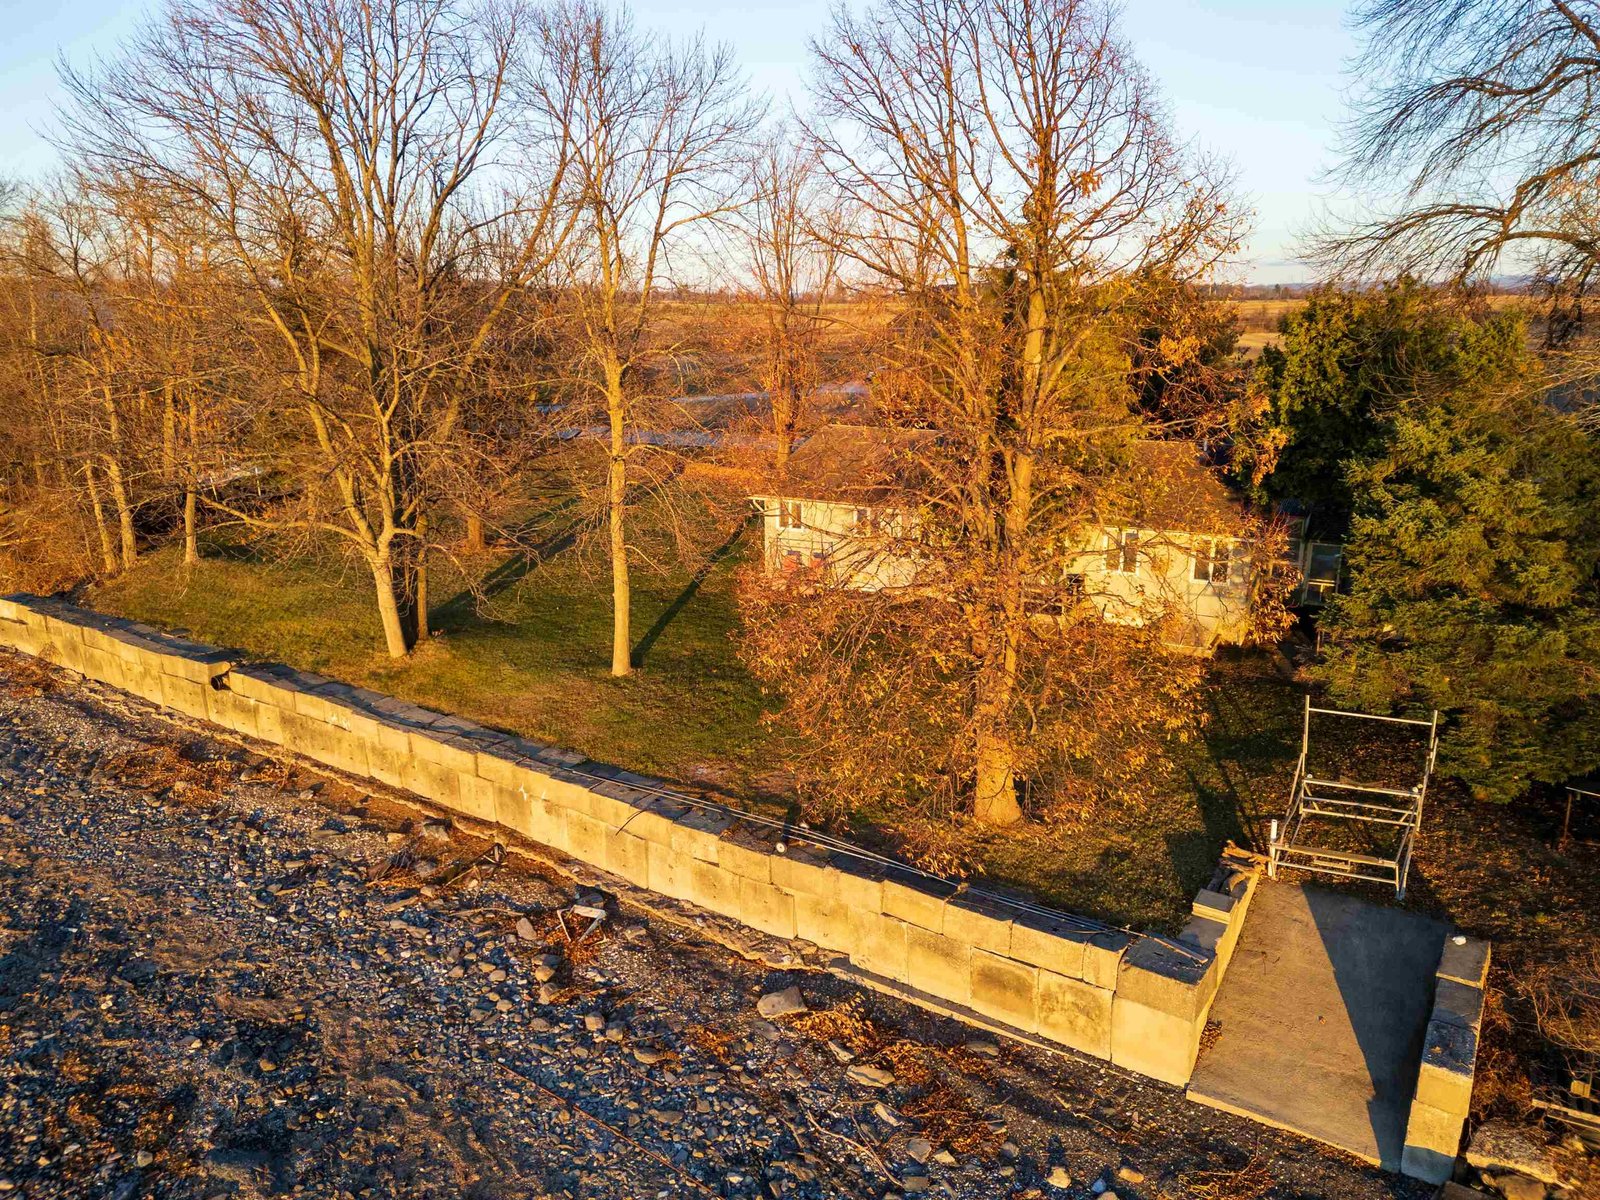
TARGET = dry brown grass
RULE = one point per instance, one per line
(28, 677)
(945, 1113)
(181, 767)
(848, 1024)
(713, 1041)
(1249, 1182)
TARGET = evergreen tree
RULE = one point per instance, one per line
(1472, 554)
(1346, 361)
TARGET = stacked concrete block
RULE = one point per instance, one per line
(1163, 993)
(1449, 1057)
(1164, 989)
(172, 671)
(1137, 1001)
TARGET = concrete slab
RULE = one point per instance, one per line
(1322, 1014)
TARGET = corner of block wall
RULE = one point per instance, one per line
(1163, 993)
(1433, 1142)
(1443, 1096)
(1151, 1042)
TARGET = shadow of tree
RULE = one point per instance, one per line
(681, 600)
(462, 609)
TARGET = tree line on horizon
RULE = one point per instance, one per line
(334, 274)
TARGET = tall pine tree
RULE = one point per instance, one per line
(1472, 554)
(1346, 363)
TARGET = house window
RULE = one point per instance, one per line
(789, 515)
(1213, 559)
(1122, 551)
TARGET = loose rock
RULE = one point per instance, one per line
(781, 1004)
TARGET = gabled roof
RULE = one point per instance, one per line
(855, 464)
(1173, 489)
(1167, 487)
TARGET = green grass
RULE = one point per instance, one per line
(535, 660)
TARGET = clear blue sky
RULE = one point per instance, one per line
(1260, 81)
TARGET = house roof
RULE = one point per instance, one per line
(854, 464)
(1168, 487)
(1172, 489)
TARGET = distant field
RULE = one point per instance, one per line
(1259, 320)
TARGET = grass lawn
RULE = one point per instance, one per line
(530, 653)
(534, 658)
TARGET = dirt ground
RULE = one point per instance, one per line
(226, 975)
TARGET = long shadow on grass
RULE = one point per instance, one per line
(1246, 749)
(462, 609)
(681, 601)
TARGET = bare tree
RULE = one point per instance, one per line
(1020, 188)
(351, 159)
(53, 498)
(77, 260)
(794, 265)
(658, 135)
(1486, 110)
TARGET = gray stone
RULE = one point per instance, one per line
(1517, 1187)
(920, 1149)
(1501, 1146)
(873, 1077)
(781, 1004)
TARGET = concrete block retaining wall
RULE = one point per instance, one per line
(1138, 1001)
(1449, 1059)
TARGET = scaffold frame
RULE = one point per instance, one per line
(1314, 799)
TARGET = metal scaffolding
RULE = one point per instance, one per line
(1315, 801)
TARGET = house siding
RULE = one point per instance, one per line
(1207, 612)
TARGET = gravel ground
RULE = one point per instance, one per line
(224, 974)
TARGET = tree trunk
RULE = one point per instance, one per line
(169, 431)
(475, 543)
(389, 608)
(621, 599)
(191, 537)
(616, 513)
(419, 588)
(785, 409)
(108, 552)
(995, 794)
(119, 497)
(191, 534)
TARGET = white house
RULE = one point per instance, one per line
(1180, 554)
